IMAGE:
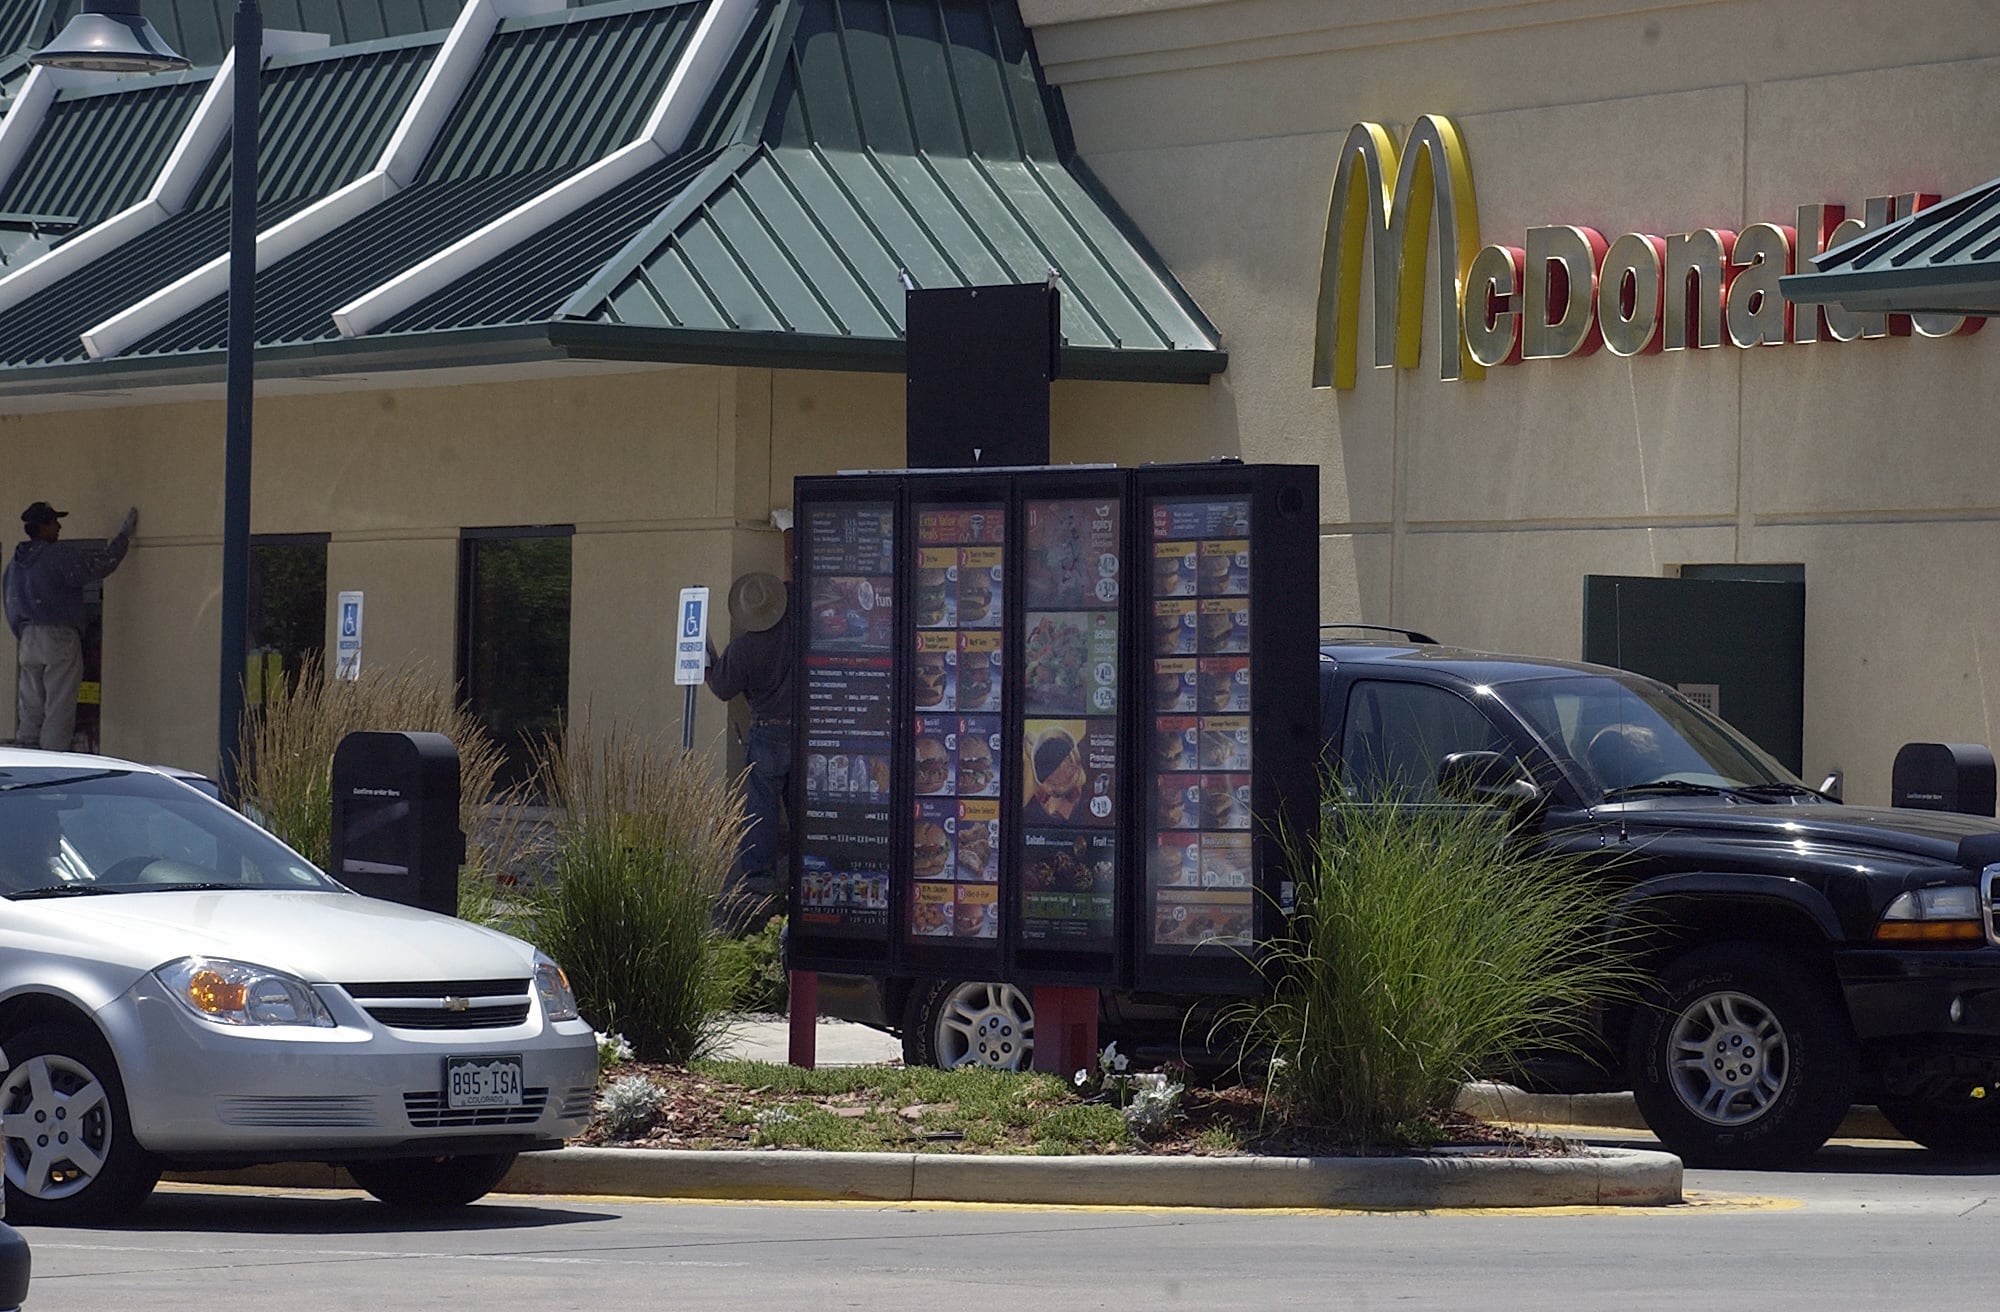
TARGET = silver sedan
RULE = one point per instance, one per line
(178, 989)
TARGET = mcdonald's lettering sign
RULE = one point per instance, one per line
(1566, 290)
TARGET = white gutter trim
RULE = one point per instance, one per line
(450, 71)
(694, 77)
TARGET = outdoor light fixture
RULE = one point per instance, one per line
(111, 36)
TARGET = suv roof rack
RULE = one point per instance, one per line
(1411, 634)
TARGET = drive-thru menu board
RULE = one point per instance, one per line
(1200, 867)
(1070, 807)
(849, 734)
(956, 831)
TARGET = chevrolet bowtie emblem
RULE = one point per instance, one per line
(458, 1004)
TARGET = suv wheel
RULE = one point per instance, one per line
(1960, 1130)
(952, 1023)
(1736, 1060)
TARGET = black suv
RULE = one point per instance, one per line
(1803, 954)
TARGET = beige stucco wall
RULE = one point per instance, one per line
(668, 476)
(1473, 510)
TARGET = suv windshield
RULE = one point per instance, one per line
(72, 831)
(1634, 737)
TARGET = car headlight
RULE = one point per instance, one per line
(1947, 914)
(558, 999)
(238, 993)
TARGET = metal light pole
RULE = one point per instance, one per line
(113, 36)
(237, 388)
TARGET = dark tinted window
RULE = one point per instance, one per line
(1397, 734)
(514, 595)
(287, 622)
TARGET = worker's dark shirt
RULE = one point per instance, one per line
(759, 666)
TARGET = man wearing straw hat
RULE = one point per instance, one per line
(757, 665)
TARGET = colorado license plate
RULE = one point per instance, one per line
(482, 1081)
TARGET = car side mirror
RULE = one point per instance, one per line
(1833, 785)
(1489, 778)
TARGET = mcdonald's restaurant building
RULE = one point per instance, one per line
(556, 299)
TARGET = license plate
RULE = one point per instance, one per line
(482, 1081)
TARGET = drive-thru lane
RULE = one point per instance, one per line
(1868, 1225)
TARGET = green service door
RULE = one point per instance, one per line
(1733, 645)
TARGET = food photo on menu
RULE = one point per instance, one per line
(936, 739)
(978, 770)
(1069, 772)
(977, 912)
(932, 909)
(978, 687)
(931, 839)
(937, 576)
(978, 845)
(1072, 663)
(1072, 553)
(979, 587)
(936, 671)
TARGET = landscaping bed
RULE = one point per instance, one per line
(759, 1105)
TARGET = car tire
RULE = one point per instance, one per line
(1970, 1130)
(954, 1023)
(71, 1158)
(432, 1184)
(1737, 1061)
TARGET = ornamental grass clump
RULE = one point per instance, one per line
(1428, 945)
(286, 755)
(640, 838)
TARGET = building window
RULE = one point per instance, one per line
(287, 622)
(513, 636)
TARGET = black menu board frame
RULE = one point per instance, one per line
(960, 784)
(1108, 758)
(851, 694)
(1072, 850)
(1240, 595)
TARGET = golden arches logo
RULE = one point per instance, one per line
(1390, 195)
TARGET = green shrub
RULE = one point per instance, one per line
(286, 750)
(640, 839)
(753, 969)
(1427, 945)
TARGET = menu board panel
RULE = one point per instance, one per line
(1071, 595)
(1200, 871)
(956, 835)
(849, 739)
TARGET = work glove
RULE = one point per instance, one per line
(130, 522)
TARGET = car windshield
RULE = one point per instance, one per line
(80, 830)
(1632, 737)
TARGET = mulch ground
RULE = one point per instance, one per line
(702, 1113)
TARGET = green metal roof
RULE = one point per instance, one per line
(203, 30)
(847, 142)
(902, 137)
(96, 154)
(1945, 259)
(552, 95)
(365, 90)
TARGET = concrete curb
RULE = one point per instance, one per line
(1616, 1111)
(1622, 1177)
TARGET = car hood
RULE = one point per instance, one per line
(1818, 826)
(339, 938)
